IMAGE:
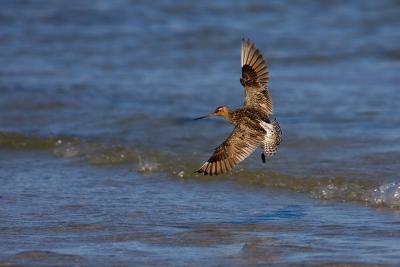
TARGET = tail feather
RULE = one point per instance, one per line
(272, 137)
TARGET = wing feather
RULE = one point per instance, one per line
(255, 78)
(238, 146)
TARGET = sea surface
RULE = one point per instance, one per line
(98, 147)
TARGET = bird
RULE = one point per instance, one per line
(254, 125)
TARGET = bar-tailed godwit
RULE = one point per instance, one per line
(254, 124)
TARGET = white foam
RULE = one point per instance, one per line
(147, 166)
(66, 150)
(387, 195)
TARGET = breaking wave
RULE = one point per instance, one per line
(373, 193)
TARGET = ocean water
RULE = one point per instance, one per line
(98, 147)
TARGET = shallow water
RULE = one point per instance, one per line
(98, 149)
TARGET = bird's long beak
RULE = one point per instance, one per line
(206, 116)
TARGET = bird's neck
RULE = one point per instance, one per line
(228, 116)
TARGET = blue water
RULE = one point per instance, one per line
(98, 149)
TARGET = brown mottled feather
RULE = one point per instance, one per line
(238, 146)
(253, 124)
(255, 78)
(272, 138)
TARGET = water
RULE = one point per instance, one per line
(98, 149)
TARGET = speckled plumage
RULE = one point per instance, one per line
(254, 125)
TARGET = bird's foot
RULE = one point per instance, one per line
(263, 157)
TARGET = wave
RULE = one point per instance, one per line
(372, 193)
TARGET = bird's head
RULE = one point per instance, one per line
(219, 111)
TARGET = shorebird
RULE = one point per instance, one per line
(254, 124)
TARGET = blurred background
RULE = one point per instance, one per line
(98, 146)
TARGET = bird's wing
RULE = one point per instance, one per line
(255, 78)
(238, 146)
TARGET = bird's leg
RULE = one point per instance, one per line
(263, 157)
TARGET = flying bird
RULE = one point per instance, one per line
(254, 124)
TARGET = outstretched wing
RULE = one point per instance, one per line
(255, 78)
(238, 146)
